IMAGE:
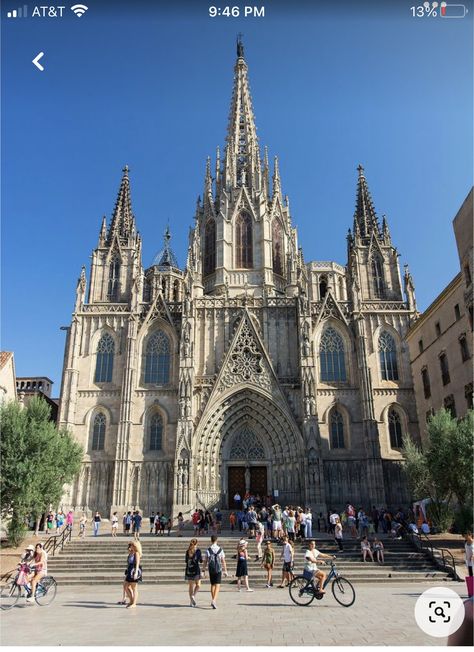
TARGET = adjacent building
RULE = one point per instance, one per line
(440, 340)
(7, 377)
(249, 368)
(42, 386)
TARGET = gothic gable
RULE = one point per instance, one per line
(330, 308)
(158, 309)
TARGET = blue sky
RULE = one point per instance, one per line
(149, 84)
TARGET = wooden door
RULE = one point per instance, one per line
(258, 480)
(236, 483)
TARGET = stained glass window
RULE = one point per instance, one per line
(156, 432)
(243, 241)
(277, 247)
(105, 359)
(210, 247)
(395, 429)
(98, 432)
(332, 359)
(388, 357)
(337, 430)
(157, 359)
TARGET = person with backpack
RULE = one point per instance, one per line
(215, 561)
(192, 573)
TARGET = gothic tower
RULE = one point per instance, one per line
(249, 370)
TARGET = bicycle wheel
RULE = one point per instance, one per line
(343, 591)
(301, 591)
(9, 595)
(46, 591)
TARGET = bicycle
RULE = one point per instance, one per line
(303, 590)
(11, 592)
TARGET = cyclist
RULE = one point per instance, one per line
(311, 560)
(39, 569)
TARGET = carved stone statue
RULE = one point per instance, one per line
(306, 345)
(247, 478)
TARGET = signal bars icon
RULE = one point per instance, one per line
(21, 12)
(79, 10)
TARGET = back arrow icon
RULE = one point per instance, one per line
(36, 61)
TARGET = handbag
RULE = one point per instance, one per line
(470, 585)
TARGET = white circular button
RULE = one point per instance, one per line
(439, 611)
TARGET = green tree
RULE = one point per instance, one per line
(443, 471)
(36, 460)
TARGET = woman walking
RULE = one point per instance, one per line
(114, 524)
(338, 534)
(180, 519)
(258, 540)
(192, 573)
(242, 572)
(133, 573)
(378, 549)
(268, 562)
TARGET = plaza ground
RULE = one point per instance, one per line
(381, 615)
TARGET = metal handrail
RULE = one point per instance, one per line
(64, 536)
(421, 541)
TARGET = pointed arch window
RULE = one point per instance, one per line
(210, 247)
(378, 282)
(98, 432)
(395, 429)
(105, 359)
(388, 357)
(332, 357)
(114, 279)
(323, 287)
(337, 430)
(277, 247)
(157, 359)
(156, 433)
(244, 241)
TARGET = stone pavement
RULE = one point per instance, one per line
(381, 615)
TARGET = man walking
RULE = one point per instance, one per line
(215, 561)
(97, 520)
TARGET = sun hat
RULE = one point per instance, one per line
(30, 547)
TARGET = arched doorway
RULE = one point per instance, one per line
(246, 465)
(250, 431)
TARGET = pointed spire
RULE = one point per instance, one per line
(103, 232)
(385, 231)
(165, 257)
(364, 217)
(208, 179)
(218, 169)
(276, 178)
(123, 221)
(242, 165)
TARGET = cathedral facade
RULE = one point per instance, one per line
(250, 369)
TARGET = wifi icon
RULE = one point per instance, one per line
(79, 10)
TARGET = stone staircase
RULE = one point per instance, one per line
(102, 560)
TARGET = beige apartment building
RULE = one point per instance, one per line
(440, 341)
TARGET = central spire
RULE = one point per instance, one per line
(242, 163)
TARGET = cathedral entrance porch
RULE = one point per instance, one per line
(246, 477)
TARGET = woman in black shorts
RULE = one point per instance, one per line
(133, 574)
(192, 573)
(242, 572)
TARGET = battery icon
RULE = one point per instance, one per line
(452, 11)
